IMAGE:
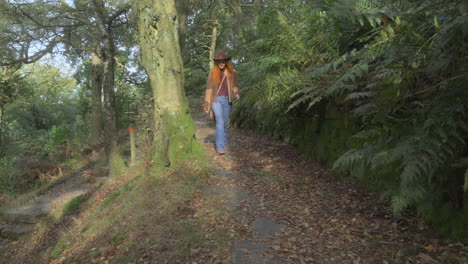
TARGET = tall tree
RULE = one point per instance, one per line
(22, 42)
(96, 101)
(86, 27)
(108, 75)
(174, 133)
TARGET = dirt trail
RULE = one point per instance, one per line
(290, 209)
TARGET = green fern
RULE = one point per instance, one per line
(397, 66)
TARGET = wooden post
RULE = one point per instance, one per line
(132, 147)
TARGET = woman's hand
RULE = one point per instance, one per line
(237, 96)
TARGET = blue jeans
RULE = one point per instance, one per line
(221, 110)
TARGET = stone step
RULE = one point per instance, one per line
(14, 232)
(28, 214)
(32, 213)
(263, 227)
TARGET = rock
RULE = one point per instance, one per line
(407, 252)
(14, 232)
(250, 252)
(210, 139)
(264, 227)
(29, 214)
(3, 244)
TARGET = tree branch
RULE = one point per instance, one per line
(119, 12)
(52, 26)
(37, 56)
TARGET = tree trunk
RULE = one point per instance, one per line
(96, 101)
(108, 80)
(110, 128)
(214, 37)
(158, 37)
(182, 10)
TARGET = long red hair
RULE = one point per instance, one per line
(216, 72)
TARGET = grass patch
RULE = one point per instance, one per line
(116, 163)
(59, 248)
(124, 259)
(150, 216)
(113, 196)
(74, 205)
(74, 163)
(117, 239)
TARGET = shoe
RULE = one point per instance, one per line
(221, 152)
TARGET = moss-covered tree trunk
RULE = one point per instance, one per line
(159, 41)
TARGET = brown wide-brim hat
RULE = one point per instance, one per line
(221, 56)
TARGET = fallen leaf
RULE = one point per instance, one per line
(431, 248)
(427, 259)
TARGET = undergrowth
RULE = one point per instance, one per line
(137, 215)
(74, 205)
(376, 89)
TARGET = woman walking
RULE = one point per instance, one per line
(221, 87)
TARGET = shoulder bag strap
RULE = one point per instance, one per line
(221, 83)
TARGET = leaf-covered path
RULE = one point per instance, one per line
(286, 208)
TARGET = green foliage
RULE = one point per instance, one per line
(10, 83)
(59, 134)
(44, 116)
(272, 70)
(13, 179)
(39, 122)
(122, 190)
(399, 67)
(74, 205)
(62, 244)
(415, 113)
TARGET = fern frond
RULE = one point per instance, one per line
(359, 95)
